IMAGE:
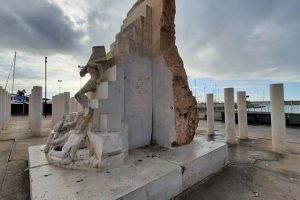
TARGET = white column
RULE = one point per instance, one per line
(66, 97)
(242, 115)
(230, 116)
(5, 109)
(9, 107)
(61, 105)
(53, 109)
(37, 110)
(56, 106)
(71, 103)
(29, 108)
(278, 118)
(1, 109)
(210, 113)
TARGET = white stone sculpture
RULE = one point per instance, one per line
(70, 142)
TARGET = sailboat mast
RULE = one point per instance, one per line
(13, 83)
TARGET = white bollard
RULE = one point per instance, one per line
(61, 106)
(1, 109)
(37, 110)
(230, 116)
(29, 108)
(242, 115)
(71, 104)
(9, 107)
(66, 108)
(278, 118)
(210, 113)
(53, 109)
(5, 109)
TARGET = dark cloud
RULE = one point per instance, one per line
(240, 39)
(36, 26)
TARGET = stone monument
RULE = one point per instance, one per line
(138, 95)
(137, 125)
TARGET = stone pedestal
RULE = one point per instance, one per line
(37, 110)
(210, 113)
(278, 118)
(242, 115)
(148, 173)
(230, 116)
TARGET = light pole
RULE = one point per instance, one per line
(45, 104)
(59, 82)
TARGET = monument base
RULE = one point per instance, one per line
(149, 173)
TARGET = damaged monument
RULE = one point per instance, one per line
(137, 125)
(140, 85)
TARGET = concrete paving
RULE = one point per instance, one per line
(259, 131)
(14, 143)
(254, 173)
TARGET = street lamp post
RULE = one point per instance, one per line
(59, 82)
(45, 104)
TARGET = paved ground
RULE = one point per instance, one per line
(259, 131)
(14, 143)
(254, 173)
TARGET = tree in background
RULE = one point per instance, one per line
(21, 93)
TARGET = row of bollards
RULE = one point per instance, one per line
(62, 105)
(5, 108)
(277, 116)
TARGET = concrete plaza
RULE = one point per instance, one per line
(254, 173)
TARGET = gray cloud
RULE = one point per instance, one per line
(36, 26)
(240, 39)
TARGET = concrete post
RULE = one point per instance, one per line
(29, 107)
(5, 109)
(242, 115)
(230, 116)
(71, 103)
(1, 109)
(278, 118)
(61, 105)
(9, 107)
(53, 109)
(37, 110)
(210, 113)
(66, 103)
(3, 104)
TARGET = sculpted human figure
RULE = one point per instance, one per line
(96, 67)
(69, 134)
(59, 134)
(72, 141)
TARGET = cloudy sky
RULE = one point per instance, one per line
(246, 44)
